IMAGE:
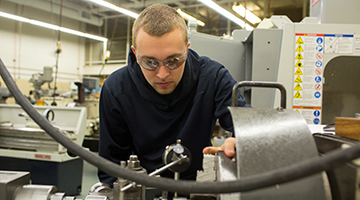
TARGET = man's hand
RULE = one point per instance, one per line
(228, 147)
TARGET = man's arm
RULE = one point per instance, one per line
(115, 140)
(224, 84)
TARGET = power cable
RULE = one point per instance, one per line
(300, 170)
(110, 43)
(58, 51)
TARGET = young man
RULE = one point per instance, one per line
(166, 92)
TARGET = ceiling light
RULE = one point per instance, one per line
(188, 17)
(249, 27)
(223, 12)
(112, 6)
(247, 14)
(53, 27)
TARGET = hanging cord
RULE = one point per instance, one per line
(109, 44)
(58, 51)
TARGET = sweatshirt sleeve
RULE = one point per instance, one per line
(224, 83)
(115, 139)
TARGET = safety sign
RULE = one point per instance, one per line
(299, 64)
(316, 121)
(298, 87)
(318, 79)
(319, 56)
(316, 113)
(318, 63)
(318, 71)
(299, 56)
(308, 68)
(339, 43)
(298, 79)
(312, 115)
(317, 86)
(319, 48)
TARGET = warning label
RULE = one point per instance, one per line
(308, 66)
(338, 43)
(299, 64)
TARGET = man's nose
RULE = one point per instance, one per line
(162, 72)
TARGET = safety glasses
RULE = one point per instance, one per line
(171, 63)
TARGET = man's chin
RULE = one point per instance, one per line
(164, 91)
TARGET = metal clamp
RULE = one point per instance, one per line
(279, 86)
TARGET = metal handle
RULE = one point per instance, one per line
(258, 84)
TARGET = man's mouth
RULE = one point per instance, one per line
(164, 84)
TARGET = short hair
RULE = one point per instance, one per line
(157, 20)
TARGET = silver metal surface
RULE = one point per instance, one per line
(20, 136)
(28, 139)
(35, 192)
(226, 170)
(125, 189)
(10, 180)
(229, 53)
(157, 171)
(269, 139)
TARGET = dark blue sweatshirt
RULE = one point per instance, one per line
(135, 119)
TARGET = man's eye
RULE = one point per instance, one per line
(169, 62)
(152, 62)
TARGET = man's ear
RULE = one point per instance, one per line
(133, 49)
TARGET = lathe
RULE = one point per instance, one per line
(269, 142)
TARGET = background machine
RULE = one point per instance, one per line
(316, 60)
(24, 146)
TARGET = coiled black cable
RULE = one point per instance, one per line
(297, 171)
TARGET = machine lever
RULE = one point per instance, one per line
(157, 171)
(258, 84)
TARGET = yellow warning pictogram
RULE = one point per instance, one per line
(297, 95)
(299, 48)
(299, 64)
(299, 56)
(298, 79)
(298, 87)
(298, 72)
(299, 41)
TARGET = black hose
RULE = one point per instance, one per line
(310, 167)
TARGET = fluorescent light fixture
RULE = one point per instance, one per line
(247, 14)
(188, 17)
(223, 12)
(112, 6)
(249, 27)
(53, 27)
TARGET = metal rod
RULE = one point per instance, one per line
(177, 176)
(157, 171)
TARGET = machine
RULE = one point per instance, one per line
(4, 94)
(316, 60)
(38, 80)
(25, 146)
(85, 98)
(86, 88)
(265, 144)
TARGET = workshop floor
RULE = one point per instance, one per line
(88, 180)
